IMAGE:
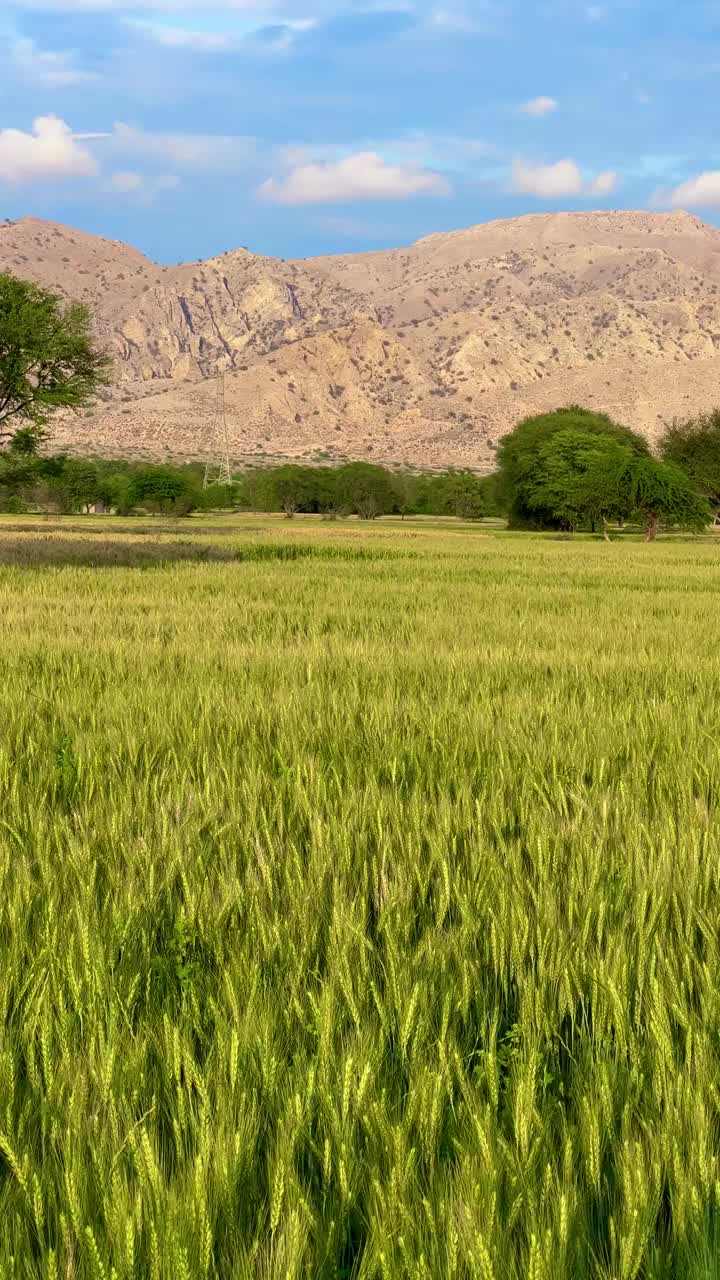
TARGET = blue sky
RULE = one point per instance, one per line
(297, 127)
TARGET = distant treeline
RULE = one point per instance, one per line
(61, 484)
(571, 469)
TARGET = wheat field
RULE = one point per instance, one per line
(360, 904)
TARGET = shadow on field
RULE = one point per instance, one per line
(50, 551)
(130, 530)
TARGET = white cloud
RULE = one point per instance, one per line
(604, 184)
(53, 69)
(539, 106)
(702, 191)
(547, 180)
(50, 151)
(364, 176)
(564, 178)
(197, 151)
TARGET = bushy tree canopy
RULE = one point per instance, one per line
(48, 358)
(518, 458)
(694, 445)
(665, 497)
(579, 477)
(573, 469)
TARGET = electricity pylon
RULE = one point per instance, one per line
(217, 467)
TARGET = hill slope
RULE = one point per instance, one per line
(425, 354)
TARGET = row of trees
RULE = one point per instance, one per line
(366, 490)
(33, 481)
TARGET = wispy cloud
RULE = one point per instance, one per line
(151, 6)
(219, 33)
(475, 16)
(127, 182)
(539, 106)
(194, 151)
(172, 37)
(138, 187)
(364, 176)
(49, 68)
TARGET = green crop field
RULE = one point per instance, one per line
(360, 903)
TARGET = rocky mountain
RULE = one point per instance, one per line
(423, 355)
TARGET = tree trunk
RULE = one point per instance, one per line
(651, 528)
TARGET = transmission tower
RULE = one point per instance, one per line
(217, 467)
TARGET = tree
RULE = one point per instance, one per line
(18, 472)
(162, 489)
(79, 483)
(518, 453)
(665, 497)
(365, 489)
(694, 445)
(293, 489)
(580, 478)
(218, 497)
(48, 358)
(575, 477)
(463, 495)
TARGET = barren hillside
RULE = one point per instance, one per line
(423, 355)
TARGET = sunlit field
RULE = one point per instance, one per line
(360, 902)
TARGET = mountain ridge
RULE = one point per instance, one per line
(421, 355)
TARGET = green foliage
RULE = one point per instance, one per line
(291, 489)
(359, 915)
(464, 495)
(580, 478)
(65, 485)
(518, 454)
(694, 445)
(79, 482)
(48, 358)
(161, 489)
(364, 489)
(665, 497)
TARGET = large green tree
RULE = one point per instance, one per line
(463, 495)
(163, 490)
(365, 489)
(49, 359)
(664, 497)
(518, 454)
(694, 445)
(580, 478)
